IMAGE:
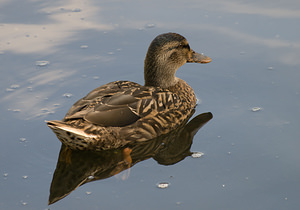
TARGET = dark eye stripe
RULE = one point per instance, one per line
(181, 46)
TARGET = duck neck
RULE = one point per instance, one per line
(160, 76)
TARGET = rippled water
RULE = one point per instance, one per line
(53, 53)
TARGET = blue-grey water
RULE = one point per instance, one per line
(251, 146)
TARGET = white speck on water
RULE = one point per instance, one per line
(25, 177)
(22, 139)
(5, 174)
(150, 25)
(88, 193)
(163, 185)
(285, 198)
(110, 53)
(42, 63)
(95, 77)
(270, 68)
(256, 109)
(197, 154)
(67, 95)
(23, 203)
(15, 86)
(84, 46)
(9, 90)
(223, 185)
(16, 110)
(229, 153)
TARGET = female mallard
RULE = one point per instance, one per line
(122, 112)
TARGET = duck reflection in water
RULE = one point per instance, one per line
(75, 168)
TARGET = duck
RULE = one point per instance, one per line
(123, 112)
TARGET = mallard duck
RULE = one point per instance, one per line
(120, 112)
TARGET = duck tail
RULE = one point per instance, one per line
(70, 136)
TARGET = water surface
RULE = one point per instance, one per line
(250, 157)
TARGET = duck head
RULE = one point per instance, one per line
(166, 53)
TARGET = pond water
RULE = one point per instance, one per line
(54, 52)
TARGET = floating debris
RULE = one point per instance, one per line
(256, 109)
(150, 25)
(9, 90)
(42, 63)
(84, 46)
(23, 139)
(15, 86)
(88, 193)
(23, 203)
(67, 95)
(5, 174)
(25, 177)
(163, 185)
(197, 154)
(15, 110)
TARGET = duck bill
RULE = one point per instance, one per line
(198, 58)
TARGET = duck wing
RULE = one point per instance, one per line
(122, 107)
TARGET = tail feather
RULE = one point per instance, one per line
(59, 125)
(70, 136)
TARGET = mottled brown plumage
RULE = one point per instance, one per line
(120, 112)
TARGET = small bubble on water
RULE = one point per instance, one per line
(84, 46)
(22, 139)
(197, 154)
(42, 63)
(256, 109)
(67, 95)
(9, 90)
(150, 25)
(223, 185)
(15, 86)
(163, 185)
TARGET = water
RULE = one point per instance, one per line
(251, 157)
